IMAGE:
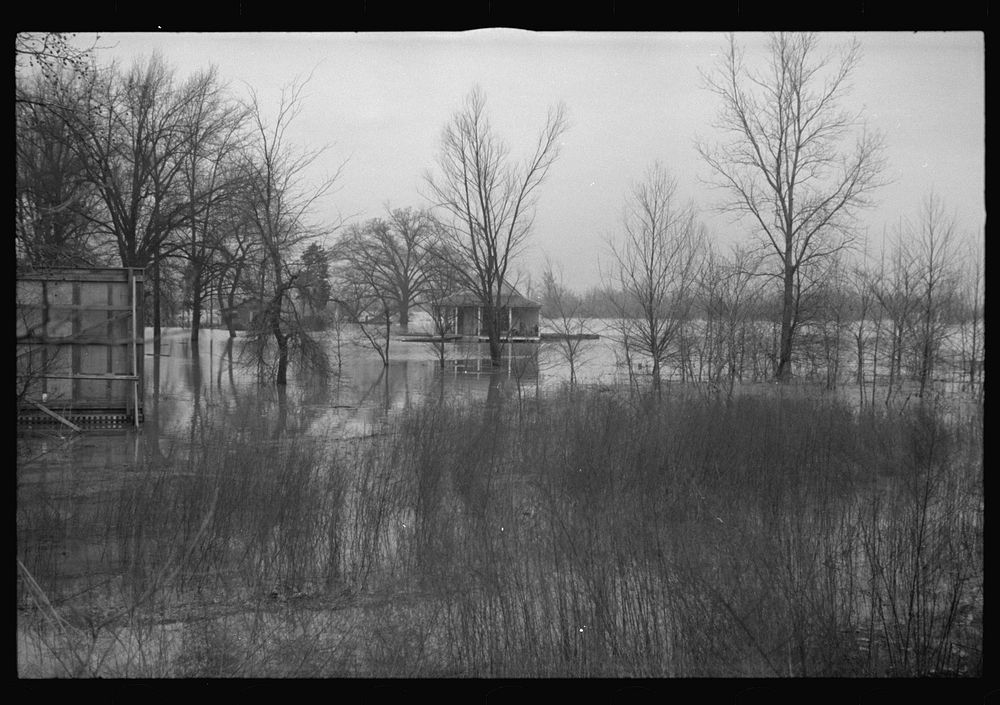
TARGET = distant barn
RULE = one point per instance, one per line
(465, 314)
(80, 345)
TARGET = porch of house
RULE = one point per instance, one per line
(467, 322)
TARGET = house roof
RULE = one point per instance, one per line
(510, 297)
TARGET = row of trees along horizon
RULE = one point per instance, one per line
(135, 167)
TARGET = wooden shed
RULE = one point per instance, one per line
(80, 345)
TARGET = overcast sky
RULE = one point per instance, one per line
(380, 101)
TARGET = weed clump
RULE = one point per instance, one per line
(576, 534)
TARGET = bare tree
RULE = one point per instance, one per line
(860, 285)
(564, 311)
(897, 294)
(394, 254)
(278, 203)
(489, 201)
(828, 312)
(729, 288)
(130, 133)
(52, 195)
(51, 54)
(974, 297)
(214, 133)
(439, 283)
(231, 269)
(933, 242)
(361, 291)
(655, 267)
(782, 164)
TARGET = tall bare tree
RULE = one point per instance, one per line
(933, 244)
(896, 288)
(53, 195)
(231, 268)
(654, 266)
(488, 200)
(564, 311)
(209, 175)
(729, 291)
(394, 254)
(861, 288)
(439, 283)
(279, 200)
(973, 293)
(784, 163)
(359, 292)
(131, 135)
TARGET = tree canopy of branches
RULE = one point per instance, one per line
(210, 177)
(392, 255)
(53, 195)
(784, 164)
(927, 267)
(728, 291)
(564, 311)
(130, 138)
(136, 166)
(279, 198)
(488, 201)
(131, 131)
(52, 54)
(655, 266)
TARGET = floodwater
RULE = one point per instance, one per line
(67, 481)
(185, 383)
(189, 388)
(359, 394)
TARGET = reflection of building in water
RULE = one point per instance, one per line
(521, 365)
(465, 313)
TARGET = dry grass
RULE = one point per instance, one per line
(579, 534)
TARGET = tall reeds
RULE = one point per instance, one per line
(578, 534)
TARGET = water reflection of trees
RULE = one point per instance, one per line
(194, 387)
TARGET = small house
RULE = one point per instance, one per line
(465, 314)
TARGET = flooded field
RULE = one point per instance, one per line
(355, 526)
(184, 382)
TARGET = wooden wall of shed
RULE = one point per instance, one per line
(79, 322)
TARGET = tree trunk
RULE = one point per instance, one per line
(230, 319)
(196, 294)
(494, 395)
(493, 331)
(156, 306)
(282, 340)
(404, 315)
(784, 370)
(388, 338)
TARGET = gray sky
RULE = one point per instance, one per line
(380, 101)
